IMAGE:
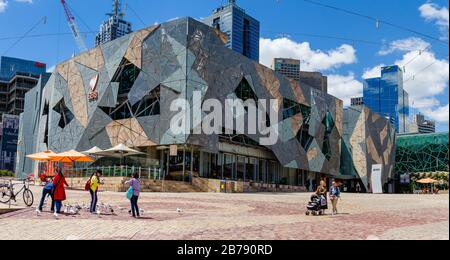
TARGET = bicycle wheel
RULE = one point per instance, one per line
(28, 197)
(5, 194)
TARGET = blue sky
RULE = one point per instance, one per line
(286, 28)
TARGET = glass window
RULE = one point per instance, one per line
(251, 169)
(241, 162)
(228, 167)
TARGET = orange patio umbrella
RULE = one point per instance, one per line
(71, 157)
(42, 156)
(427, 181)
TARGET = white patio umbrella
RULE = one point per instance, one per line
(121, 150)
(94, 150)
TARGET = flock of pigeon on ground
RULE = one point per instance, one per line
(102, 209)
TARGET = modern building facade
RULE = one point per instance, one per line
(17, 76)
(386, 96)
(418, 153)
(369, 141)
(289, 68)
(121, 93)
(242, 30)
(115, 27)
(138, 77)
(359, 101)
(422, 126)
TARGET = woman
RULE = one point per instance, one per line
(93, 190)
(335, 194)
(59, 192)
(322, 193)
(135, 184)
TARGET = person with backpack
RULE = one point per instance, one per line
(59, 191)
(92, 186)
(46, 192)
(335, 195)
(133, 194)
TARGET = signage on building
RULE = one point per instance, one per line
(173, 150)
(93, 94)
(39, 64)
(405, 179)
(377, 186)
(10, 133)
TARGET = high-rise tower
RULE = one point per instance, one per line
(242, 30)
(115, 27)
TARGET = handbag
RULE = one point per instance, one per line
(130, 192)
(87, 186)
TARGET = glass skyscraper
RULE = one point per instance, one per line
(386, 96)
(242, 30)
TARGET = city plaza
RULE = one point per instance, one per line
(219, 216)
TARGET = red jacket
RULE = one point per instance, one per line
(60, 191)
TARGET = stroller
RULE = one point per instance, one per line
(316, 206)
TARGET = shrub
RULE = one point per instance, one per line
(6, 173)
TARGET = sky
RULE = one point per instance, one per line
(346, 48)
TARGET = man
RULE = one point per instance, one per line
(335, 195)
(47, 191)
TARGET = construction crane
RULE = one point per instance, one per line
(73, 27)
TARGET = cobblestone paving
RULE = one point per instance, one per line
(238, 217)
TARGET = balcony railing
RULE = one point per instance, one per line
(116, 171)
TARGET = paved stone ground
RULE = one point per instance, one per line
(239, 217)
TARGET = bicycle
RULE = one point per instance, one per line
(8, 194)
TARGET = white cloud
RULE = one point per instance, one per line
(426, 76)
(432, 12)
(3, 5)
(405, 45)
(425, 103)
(51, 69)
(312, 60)
(374, 72)
(345, 87)
(439, 114)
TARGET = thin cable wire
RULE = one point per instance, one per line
(378, 21)
(136, 14)
(421, 71)
(25, 34)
